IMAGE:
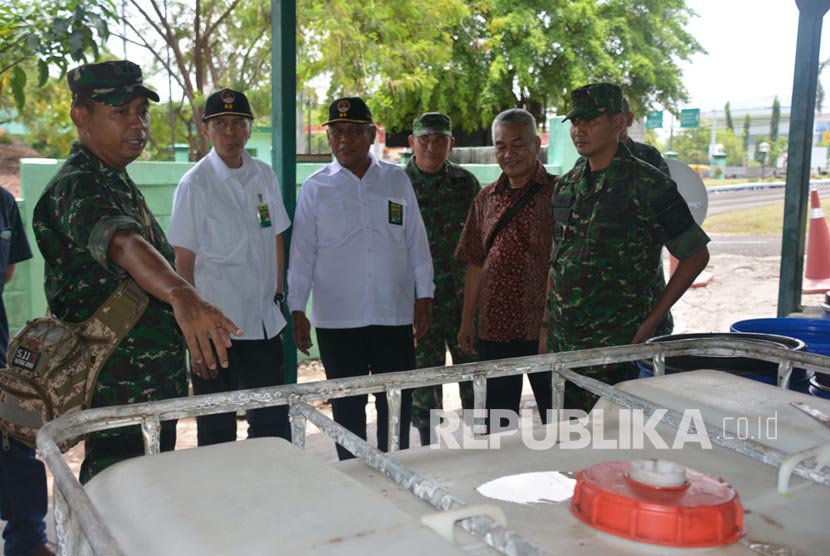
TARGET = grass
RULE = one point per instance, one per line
(710, 182)
(768, 220)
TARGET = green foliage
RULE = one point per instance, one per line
(468, 58)
(692, 145)
(820, 92)
(774, 121)
(745, 133)
(732, 147)
(158, 146)
(213, 44)
(391, 52)
(473, 59)
(728, 113)
(46, 117)
(51, 34)
(776, 149)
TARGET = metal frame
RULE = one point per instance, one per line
(80, 524)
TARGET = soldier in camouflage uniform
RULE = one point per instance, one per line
(612, 215)
(94, 230)
(445, 193)
(644, 152)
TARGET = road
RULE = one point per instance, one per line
(752, 246)
(730, 201)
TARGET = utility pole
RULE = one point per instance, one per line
(671, 132)
(712, 141)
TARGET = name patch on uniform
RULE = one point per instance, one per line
(395, 213)
(25, 359)
(264, 212)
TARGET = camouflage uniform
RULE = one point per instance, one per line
(649, 154)
(609, 229)
(74, 220)
(445, 200)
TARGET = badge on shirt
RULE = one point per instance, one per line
(264, 212)
(395, 213)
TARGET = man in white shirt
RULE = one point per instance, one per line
(226, 229)
(360, 245)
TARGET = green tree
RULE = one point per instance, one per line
(212, 44)
(472, 62)
(732, 147)
(469, 58)
(46, 117)
(774, 120)
(745, 133)
(392, 52)
(692, 145)
(776, 149)
(728, 113)
(820, 92)
(53, 34)
(158, 144)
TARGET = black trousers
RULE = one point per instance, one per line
(506, 392)
(348, 352)
(251, 364)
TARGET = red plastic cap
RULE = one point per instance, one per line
(703, 513)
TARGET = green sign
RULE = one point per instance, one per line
(690, 117)
(654, 120)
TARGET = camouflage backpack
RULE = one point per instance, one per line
(54, 365)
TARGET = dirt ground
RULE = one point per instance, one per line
(742, 287)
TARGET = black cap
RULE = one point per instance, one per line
(349, 110)
(227, 102)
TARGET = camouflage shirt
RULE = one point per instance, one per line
(608, 233)
(649, 154)
(445, 199)
(74, 220)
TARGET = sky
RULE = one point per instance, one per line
(751, 53)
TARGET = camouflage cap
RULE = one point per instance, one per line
(350, 110)
(594, 100)
(112, 83)
(227, 102)
(432, 123)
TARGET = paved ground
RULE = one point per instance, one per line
(744, 286)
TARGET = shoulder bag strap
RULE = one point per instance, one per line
(110, 324)
(514, 209)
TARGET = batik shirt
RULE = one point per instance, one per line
(513, 273)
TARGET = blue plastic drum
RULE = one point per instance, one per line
(753, 369)
(815, 333)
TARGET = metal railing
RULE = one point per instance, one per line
(79, 524)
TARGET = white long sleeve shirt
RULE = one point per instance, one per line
(230, 218)
(361, 246)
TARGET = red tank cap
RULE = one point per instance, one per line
(702, 512)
